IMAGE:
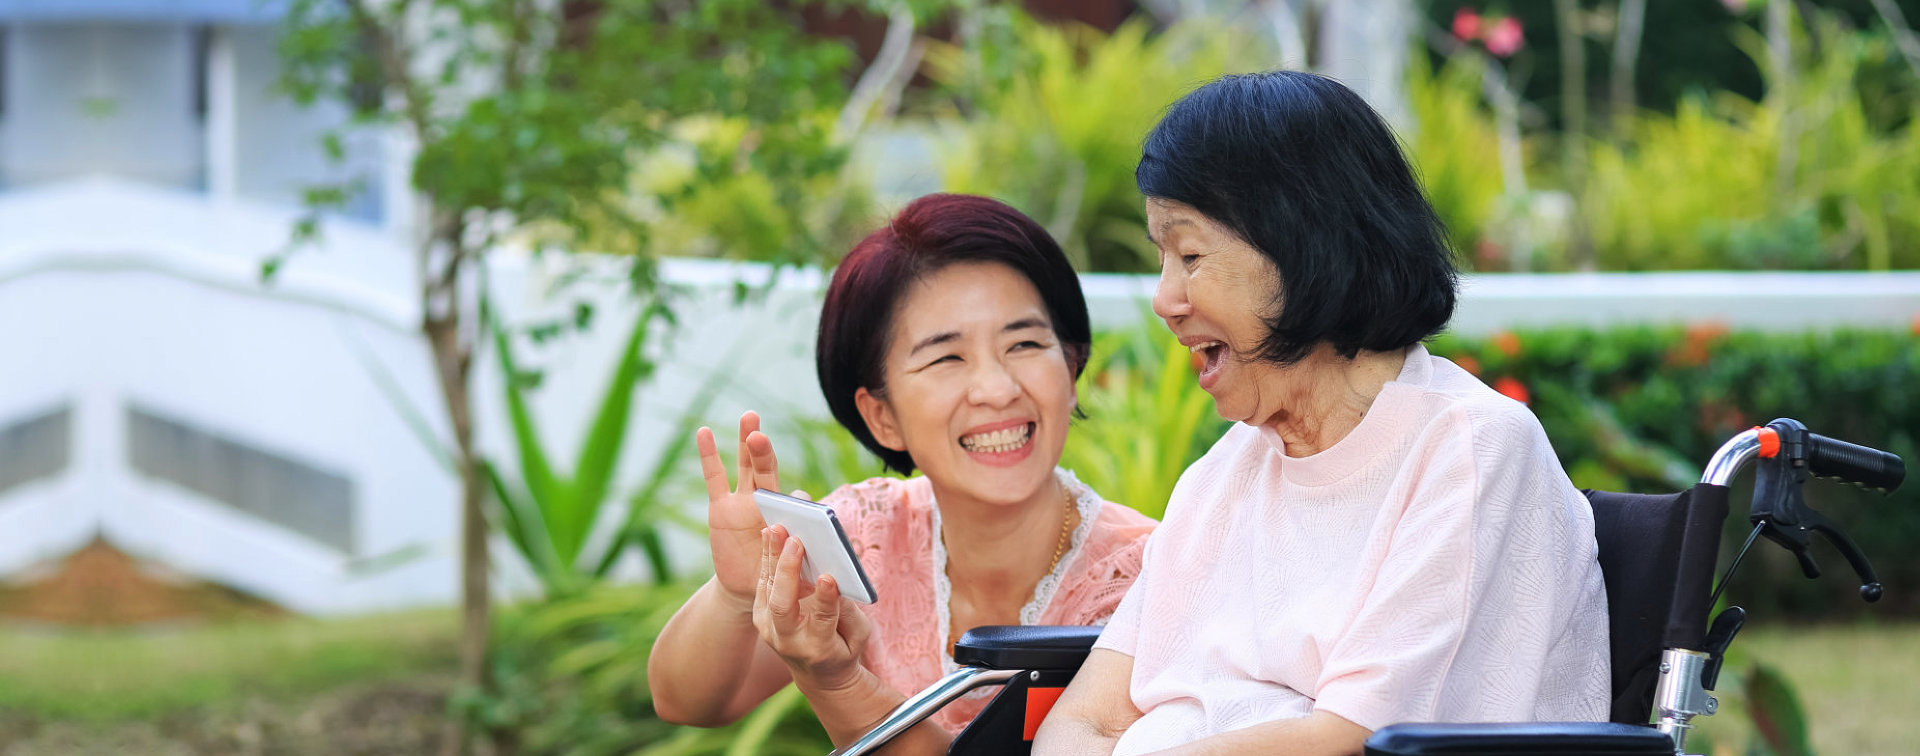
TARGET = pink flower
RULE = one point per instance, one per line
(1466, 24)
(1505, 38)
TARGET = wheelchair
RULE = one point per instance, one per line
(1657, 556)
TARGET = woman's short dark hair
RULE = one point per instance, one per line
(928, 235)
(1304, 171)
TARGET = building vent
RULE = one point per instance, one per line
(294, 495)
(35, 448)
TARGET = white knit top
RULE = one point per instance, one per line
(1435, 565)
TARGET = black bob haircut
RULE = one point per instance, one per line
(930, 234)
(1306, 172)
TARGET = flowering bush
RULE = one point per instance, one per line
(1501, 35)
(1641, 409)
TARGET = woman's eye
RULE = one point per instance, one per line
(1029, 345)
(1188, 259)
(946, 358)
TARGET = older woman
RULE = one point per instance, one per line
(1381, 537)
(949, 342)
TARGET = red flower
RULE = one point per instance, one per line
(1916, 325)
(1504, 38)
(1466, 24)
(1198, 363)
(1469, 364)
(1507, 343)
(1512, 389)
(1487, 254)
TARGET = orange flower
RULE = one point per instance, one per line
(1507, 342)
(1513, 389)
(1469, 364)
(1916, 325)
(1695, 350)
(1198, 363)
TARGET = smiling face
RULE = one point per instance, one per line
(978, 388)
(1214, 293)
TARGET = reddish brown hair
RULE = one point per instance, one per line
(928, 235)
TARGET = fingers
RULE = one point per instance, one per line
(711, 468)
(783, 590)
(801, 493)
(769, 554)
(823, 608)
(854, 627)
(766, 468)
(749, 424)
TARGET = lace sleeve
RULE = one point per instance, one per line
(862, 508)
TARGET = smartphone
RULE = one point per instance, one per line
(828, 550)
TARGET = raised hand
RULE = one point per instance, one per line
(733, 520)
(819, 633)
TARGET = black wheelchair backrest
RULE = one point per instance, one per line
(1657, 556)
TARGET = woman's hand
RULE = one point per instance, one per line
(819, 633)
(734, 524)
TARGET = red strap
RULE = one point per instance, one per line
(1039, 702)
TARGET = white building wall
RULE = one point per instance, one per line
(92, 98)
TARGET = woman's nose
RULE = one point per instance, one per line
(1170, 294)
(993, 386)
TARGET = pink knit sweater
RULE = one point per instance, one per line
(894, 525)
(1435, 565)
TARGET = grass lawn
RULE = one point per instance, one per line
(328, 686)
(293, 686)
(1859, 685)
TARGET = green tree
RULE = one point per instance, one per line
(530, 121)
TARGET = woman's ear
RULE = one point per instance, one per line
(880, 420)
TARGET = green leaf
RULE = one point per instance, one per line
(546, 490)
(1777, 715)
(600, 450)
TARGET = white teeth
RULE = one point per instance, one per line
(1198, 348)
(1003, 440)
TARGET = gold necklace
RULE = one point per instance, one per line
(1059, 550)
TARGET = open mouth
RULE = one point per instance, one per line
(1212, 354)
(999, 441)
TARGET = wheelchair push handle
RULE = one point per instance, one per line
(1863, 466)
(1787, 455)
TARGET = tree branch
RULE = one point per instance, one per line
(393, 61)
(1903, 36)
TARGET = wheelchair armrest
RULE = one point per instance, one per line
(1063, 647)
(1520, 739)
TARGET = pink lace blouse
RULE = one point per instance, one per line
(893, 525)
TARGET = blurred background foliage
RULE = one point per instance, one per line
(1721, 158)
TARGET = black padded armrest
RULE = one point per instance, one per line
(1520, 739)
(1026, 647)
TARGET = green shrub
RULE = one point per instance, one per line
(1642, 409)
(571, 678)
(1058, 138)
(1802, 179)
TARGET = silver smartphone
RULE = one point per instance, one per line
(828, 550)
